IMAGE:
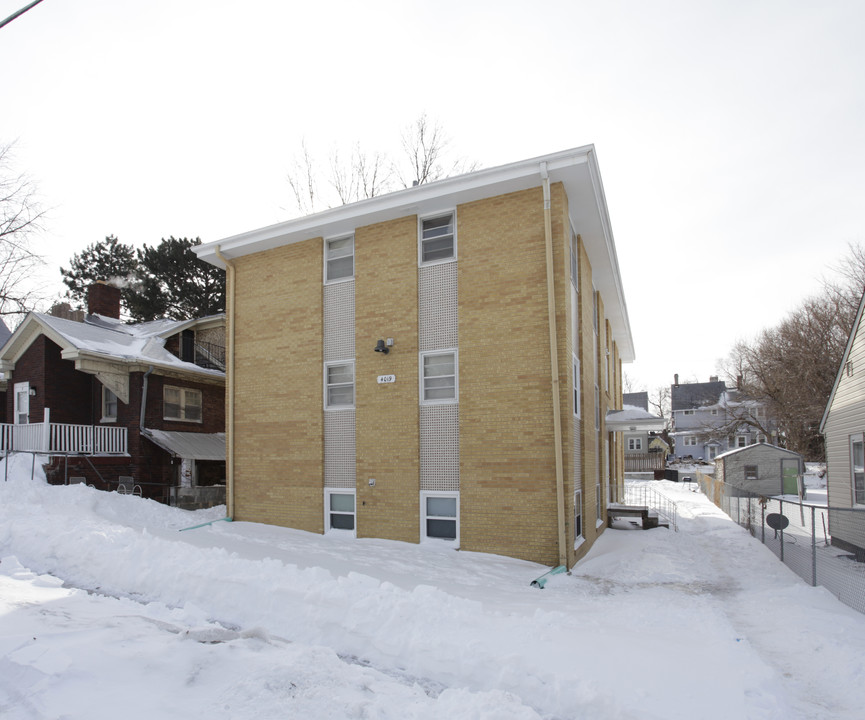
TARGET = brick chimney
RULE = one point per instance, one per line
(103, 299)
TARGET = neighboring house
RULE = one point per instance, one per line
(709, 419)
(109, 400)
(762, 469)
(843, 427)
(645, 449)
(390, 368)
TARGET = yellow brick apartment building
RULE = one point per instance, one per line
(433, 365)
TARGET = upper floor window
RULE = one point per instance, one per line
(339, 385)
(439, 377)
(109, 405)
(181, 404)
(339, 259)
(689, 441)
(437, 239)
(714, 411)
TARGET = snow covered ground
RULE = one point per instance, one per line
(107, 610)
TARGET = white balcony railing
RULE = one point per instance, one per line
(63, 438)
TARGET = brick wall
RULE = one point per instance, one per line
(279, 387)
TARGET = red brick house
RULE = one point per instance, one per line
(116, 403)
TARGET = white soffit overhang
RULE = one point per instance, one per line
(577, 169)
(633, 421)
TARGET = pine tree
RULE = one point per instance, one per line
(108, 260)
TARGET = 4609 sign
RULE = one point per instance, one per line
(385, 379)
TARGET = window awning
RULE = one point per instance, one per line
(189, 445)
(633, 419)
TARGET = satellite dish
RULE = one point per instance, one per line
(776, 521)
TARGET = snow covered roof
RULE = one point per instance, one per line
(104, 338)
(747, 448)
(633, 418)
(690, 396)
(577, 169)
(192, 445)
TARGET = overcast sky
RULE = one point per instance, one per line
(729, 133)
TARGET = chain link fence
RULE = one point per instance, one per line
(799, 535)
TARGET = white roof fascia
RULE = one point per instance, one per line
(846, 355)
(577, 169)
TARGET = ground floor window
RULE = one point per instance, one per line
(635, 443)
(440, 516)
(339, 509)
(690, 441)
(578, 517)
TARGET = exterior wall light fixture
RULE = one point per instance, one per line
(381, 347)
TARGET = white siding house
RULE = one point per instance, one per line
(843, 426)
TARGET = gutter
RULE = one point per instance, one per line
(229, 383)
(554, 368)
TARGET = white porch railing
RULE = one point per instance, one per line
(63, 438)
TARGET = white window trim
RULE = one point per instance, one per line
(424, 538)
(856, 438)
(581, 538)
(689, 441)
(432, 216)
(443, 401)
(183, 404)
(327, 242)
(106, 418)
(688, 412)
(327, 511)
(637, 442)
(329, 364)
(744, 439)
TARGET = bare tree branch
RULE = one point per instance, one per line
(21, 217)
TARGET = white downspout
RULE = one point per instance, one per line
(229, 384)
(554, 367)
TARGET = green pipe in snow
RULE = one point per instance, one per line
(193, 527)
(542, 580)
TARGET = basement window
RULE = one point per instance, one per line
(339, 510)
(440, 514)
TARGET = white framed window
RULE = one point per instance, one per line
(761, 438)
(741, 441)
(22, 403)
(181, 404)
(339, 259)
(440, 516)
(339, 510)
(438, 239)
(578, 517)
(635, 443)
(713, 411)
(576, 370)
(687, 412)
(439, 377)
(857, 468)
(689, 441)
(109, 405)
(751, 472)
(339, 384)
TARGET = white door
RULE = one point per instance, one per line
(22, 403)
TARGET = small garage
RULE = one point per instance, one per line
(762, 469)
